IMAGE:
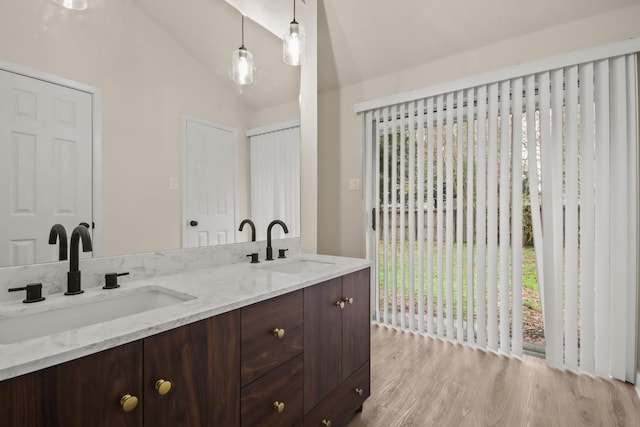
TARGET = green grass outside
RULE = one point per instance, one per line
(529, 276)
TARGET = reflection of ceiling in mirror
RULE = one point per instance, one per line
(153, 63)
(211, 30)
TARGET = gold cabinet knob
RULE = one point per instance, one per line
(340, 304)
(348, 300)
(278, 332)
(326, 423)
(359, 391)
(128, 402)
(278, 406)
(163, 386)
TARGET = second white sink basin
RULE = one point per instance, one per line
(89, 310)
(298, 266)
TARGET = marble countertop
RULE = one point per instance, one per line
(216, 290)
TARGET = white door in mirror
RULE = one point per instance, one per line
(45, 165)
(210, 178)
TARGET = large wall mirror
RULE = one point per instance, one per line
(154, 63)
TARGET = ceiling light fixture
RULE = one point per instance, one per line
(72, 4)
(242, 63)
(294, 42)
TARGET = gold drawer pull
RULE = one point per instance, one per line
(326, 423)
(163, 386)
(278, 406)
(348, 300)
(340, 304)
(359, 391)
(128, 402)
(278, 332)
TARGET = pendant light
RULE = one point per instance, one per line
(72, 4)
(294, 42)
(242, 63)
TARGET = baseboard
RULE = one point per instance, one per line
(638, 383)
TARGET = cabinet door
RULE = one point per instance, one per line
(356, 325)
(322, 340)
(23, 401)
(223, 342)
(178, 356)
(88, 391)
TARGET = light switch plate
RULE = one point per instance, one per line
(354, 184)
(173, 183)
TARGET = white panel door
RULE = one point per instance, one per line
(45, 165)
(210, 184)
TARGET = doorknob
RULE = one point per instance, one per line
(193, 223)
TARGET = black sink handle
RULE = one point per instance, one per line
(34, 292)
(111, 280)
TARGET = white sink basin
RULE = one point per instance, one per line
(297, 267)
(85, 310)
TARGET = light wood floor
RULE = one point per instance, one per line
(418, 381)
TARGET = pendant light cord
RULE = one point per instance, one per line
(294, 11)
(242, 25)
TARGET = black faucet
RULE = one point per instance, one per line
(58, 232)
(269, 248)
(73, 276)
(253, 228)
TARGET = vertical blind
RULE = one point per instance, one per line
(445, 178)
(452, 175)
(587, 175)
(275, 181)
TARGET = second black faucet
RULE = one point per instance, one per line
(73, 276)
(269, 248)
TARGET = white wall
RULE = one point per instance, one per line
(309, 124)
(148, 82)
(638, 263)
(341, 216)
(275, 114)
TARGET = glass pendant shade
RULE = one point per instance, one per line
(242, 63)
(72, 4)
(294, 44)
(242, 66)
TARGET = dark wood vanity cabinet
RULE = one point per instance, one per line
(336, 349)
(274, 399)
(298, 359)
(272, 361)
(305, 355)
(82, 392)
(188, 374)
(196, 360)
(271, 333)
(23, 399)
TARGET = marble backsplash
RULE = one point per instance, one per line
(53, 276)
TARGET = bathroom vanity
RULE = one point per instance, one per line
(283, 343)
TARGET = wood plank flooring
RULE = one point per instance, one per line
(418, 381)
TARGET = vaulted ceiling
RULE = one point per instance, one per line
(364, 39)
(360, 40)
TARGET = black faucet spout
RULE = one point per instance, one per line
(73, 276)
(59, 233)
(269, 248)
(253, 228)
(80, 232)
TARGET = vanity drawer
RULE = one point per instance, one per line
(340, 406)
(282, 386)
(261, 348)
